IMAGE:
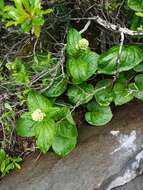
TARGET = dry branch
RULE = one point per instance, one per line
(116, 28)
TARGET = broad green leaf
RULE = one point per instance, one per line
(136, 5)
(45, 134)
(38, 101)
(125, 77)
(98, 115)
(122, 94)
(130, 57)
(58, 87)
(69, 117)
(25, 126)
(136, 22)
(67, 114)
(82, 67)
(63, 112)
(139, 68)
(135, 91)
(73, 38)
(139, 81)
(104, 92)
(53, 112)
(80, 94)
(66, 138)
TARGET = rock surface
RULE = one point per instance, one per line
(105, 158)
(136, 184)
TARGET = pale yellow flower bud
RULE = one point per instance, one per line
(38, 115)
(83, 44)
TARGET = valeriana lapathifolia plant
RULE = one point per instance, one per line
(52, 126)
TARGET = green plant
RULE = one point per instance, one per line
(82, 64)
(52, 125)
(49, 124)
(137, 6)
(19, 72)
(60, 76)
(8, 163)
(26, 13)
(7, 122)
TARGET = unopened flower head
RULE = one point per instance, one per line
(38, 115)
(83, 44)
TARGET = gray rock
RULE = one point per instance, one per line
(136, 184)
(105, 158)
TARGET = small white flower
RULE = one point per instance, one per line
(83, 44)
(38, 115)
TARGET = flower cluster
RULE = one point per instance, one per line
(38, 115)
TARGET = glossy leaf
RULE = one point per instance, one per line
(25, 126)
(58, 87)
(73, 38)
(136, 5)
(64, 113)
(80, 94)
(135, 91)
(139, 81)
(66, 138)
(45, 134)
(53, 112)
(139, 68)
(137, 87)
(129, 58)
(122, 94)
(104, 92)
(98, 115)
(37, 101)
(82, 67)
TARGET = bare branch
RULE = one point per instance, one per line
(119, 56)
(85, 27)
(110, 26)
